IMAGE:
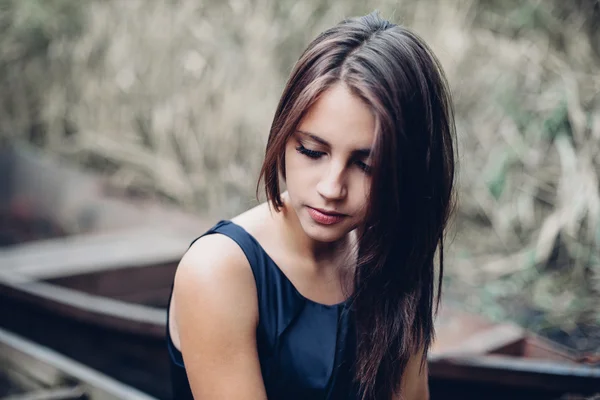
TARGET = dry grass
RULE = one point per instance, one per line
(174, 98)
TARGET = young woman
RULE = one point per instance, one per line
(326, 291)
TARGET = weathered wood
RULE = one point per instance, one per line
(52, 369)
(68, 393)
(517, 372)
(137, 247)
(138, 360)
(493, 339)
(117, 283)
(472, 349)
(461, 334)
(97, 310)
(537, 347)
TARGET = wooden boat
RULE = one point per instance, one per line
(30, 371)
(112, 317)
(100, 297)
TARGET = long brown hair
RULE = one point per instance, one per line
(396, 74)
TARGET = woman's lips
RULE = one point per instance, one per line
(325, 217)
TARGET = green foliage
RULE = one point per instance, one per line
(499, 168)
(557, 122)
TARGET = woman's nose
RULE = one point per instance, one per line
(332, 185)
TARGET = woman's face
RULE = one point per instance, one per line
(327, 165)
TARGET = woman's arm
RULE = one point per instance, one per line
(414, 383)
(216, 315)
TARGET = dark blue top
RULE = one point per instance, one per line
(306, 349)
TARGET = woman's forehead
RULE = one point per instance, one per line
(339, 118)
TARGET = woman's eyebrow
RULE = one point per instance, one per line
(362, 153)
(315, 138)
(358, 152)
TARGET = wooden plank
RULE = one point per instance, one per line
(538, 347)
(97, 310)
(14, 380)
(517, 372)
(54, 258)
(33, 357)
(158, 297)
(482, 342)
(473, 350)
(461, 333)
(20, 367)
(120, 282)
(138, 360)
(68, 393)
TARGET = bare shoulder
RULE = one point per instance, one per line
(214, 273)
(214, 253)
(216, 315)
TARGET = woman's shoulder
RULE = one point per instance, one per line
(214, 308)
(214, 282)
(217, 261)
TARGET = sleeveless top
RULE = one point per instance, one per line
(306, 349)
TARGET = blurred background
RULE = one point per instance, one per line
(170, 101)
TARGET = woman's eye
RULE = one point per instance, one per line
(309, 153)
(364, 167)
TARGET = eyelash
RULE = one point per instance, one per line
(309, 153)
(318, 154)
(364, 167)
